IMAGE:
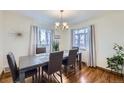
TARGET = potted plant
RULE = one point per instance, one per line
(116, 61)
(55, 46)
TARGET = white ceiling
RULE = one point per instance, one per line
(72, 17)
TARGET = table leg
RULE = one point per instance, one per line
(80, 61)
(39, 74)
(22, 77)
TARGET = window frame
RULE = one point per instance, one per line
(47, 31)
(79, 34)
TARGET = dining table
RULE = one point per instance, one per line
(30, 62)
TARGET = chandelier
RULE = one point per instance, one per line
(61, 25)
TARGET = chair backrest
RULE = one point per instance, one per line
(55, 62)
(12, 66)
(75, 48)
(40, 50)
(72, 56)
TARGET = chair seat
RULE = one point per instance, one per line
(27, 74)
(65, 60)
(30, 72)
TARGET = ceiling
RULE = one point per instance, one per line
(72, 17)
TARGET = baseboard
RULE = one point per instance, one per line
(107, 70)
(1, 74)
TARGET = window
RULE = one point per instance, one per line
(80, 38)
(44, 39)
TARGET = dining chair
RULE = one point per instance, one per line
(77, 56)
(15, 70)
(54, 65)
(40, 50)
(70, 60)
(75, 48)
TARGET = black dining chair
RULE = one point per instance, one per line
(40, 50)
(54, 65)
(77, 56)
(75, 48)
(70, 60)
(15, 70)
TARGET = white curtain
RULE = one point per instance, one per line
(33, 40)
(92, 47)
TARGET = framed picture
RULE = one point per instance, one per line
(57, 37)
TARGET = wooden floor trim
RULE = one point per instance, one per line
(107, 70)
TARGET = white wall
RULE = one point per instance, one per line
(64, 41)
(18, 45)
(109, 30)
(1, 41)
(14, 23)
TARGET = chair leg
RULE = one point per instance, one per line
(61, 76)
(42, 73)
(48, 78)
(33, 78)
(76, 61)
(36, 78)
(66, 68)
(74, 67)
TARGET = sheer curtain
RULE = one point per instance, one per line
(45, 39)
(92, 47)
(33, 40)
(39, 38)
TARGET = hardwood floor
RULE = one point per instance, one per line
(85, 75)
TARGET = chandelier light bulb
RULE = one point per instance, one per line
(67, 27)
(61, 26)
(64, 24)
(57, 23)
